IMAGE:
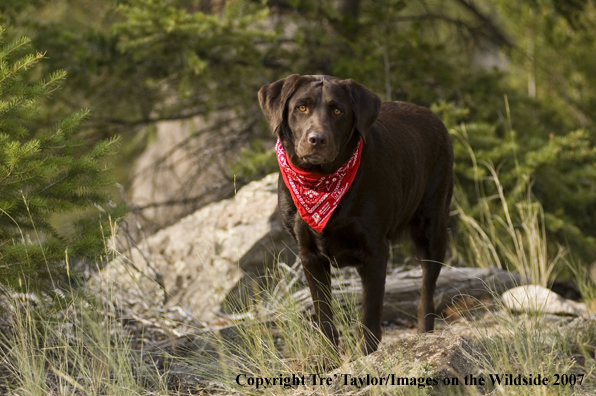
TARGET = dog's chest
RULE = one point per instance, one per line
(341, 246)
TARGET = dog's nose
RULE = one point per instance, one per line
(317, 139)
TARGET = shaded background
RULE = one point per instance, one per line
(177, 79)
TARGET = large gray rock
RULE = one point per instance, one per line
(534, 298)
(205, 255)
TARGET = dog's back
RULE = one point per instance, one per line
(408, 153)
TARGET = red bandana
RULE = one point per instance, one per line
(316, 196)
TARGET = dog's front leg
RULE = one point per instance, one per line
(318, 274)
(373, 291)
(317, 270)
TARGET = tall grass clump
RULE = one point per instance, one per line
(77, 349)
(532, 345)
(278, 336)
(506, 230)
(72, 341)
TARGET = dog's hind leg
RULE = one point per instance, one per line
(429, 234)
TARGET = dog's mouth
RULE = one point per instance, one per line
(314, 159)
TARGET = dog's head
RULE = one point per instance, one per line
(318, 114)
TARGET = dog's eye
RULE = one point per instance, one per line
(302, 108)
(337, 111)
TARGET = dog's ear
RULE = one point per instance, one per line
(274, 97)
(366, 106)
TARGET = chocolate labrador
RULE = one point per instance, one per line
(356, 175)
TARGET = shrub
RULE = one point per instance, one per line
(45, 173)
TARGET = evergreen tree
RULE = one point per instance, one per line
(45, 173)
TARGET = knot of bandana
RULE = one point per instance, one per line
(316, 196)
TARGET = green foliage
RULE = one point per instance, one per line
(45, 172)
(193, 47)
(557, 170)
(551, 61)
